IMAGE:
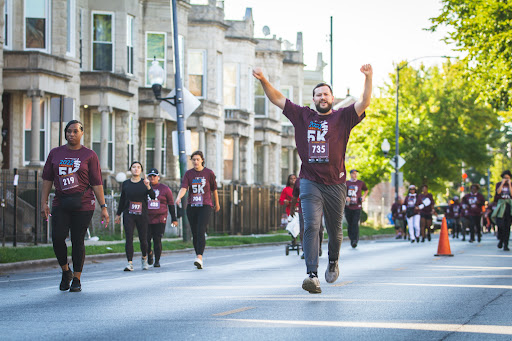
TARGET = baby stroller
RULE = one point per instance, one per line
(293, 228)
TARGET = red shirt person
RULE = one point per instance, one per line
(287, 193)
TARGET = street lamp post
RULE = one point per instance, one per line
(398, 68)
(156, 76)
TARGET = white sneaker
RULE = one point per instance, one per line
(145, 265)
(129, 267)
(199, 263)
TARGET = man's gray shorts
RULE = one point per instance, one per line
(316, 199)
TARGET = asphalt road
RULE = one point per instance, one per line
(388, 290)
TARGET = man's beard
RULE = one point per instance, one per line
(323, 110)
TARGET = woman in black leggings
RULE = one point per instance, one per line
(201, 183)
(75, 172)
(133, 204)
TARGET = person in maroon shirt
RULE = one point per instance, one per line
(398, 214)
(201, 183)
(412, 213)
(426, 211)
(75, 172)
(321, 137)
(355, 198)
(503, 214)
(157, 215)
(286, 194)
(474, 201)
(453, 215)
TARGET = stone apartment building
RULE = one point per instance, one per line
(89, 60)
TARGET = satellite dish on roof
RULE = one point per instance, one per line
(266, 31)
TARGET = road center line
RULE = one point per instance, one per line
(239, 310)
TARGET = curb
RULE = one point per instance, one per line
(52, 262)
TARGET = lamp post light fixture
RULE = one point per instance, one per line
(156, 75)
(385, 147)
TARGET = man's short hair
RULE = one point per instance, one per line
(320, 85)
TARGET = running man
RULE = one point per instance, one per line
(474, 200)
(321, 137)
(355, 198)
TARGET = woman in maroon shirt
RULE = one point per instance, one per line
(202, 185)
(426, 209)
(503, 214)
(75, 172)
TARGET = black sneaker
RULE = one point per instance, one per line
(429, 238)
(353, 244)
(332, 272)
(423, 239)
(500, 245)
(150, 258)
(157, 264)
(506, 248)
(412, 241)
(75, 286)
(312, 284)
(67, 276)
(320, 253)
(479, 239)
(302, 256)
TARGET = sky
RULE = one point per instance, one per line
(377, 32)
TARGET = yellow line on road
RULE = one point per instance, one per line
(239, 310)
(453, 285)
(342, 284)
(459, 328)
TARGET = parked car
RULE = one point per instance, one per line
(437, 220)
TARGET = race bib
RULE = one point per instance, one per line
(68, 182)
(135, 208)
(505, 193)
(426, 202)
(197, 200)
(318, 152)
(154, 204)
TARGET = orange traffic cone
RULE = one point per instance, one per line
(443, 249)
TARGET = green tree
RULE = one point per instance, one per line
(441, 125)
(482, 29)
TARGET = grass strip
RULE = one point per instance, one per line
(18, 254)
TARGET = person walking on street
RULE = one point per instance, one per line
(133, 205)
(202, 184)
(157, 215)
(295, 198)
(398, 210)
(503, 211)
(75, 172)
(412, 212)
(426, 210)
(453, 215)
(321, 137)
(355, 198)
(474, 201)
(286, 194)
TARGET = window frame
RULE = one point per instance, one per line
(147, 58)
(285, 121)
(237, 86)
(111, 142)
(204, 74)
(71, 28)
(8, 24)
(130, 44)
(46, 124)
(255, 96)
(48, 28)
(112, 14)
(164, 149)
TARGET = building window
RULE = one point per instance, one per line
(258, 164)
(227, 155)
(8, 24)
(71, 28)
(102, 42)
(150, 147)
(219, 77)
(287, 91)
(129, 43)
(231, 88)
(196, 72)
(80, 37)
(155, 50)
(131, 138)
(284, 165)
(260, 100)
(37, 24)
(96, 137)
(28, 130)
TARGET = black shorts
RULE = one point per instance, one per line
(426, 216)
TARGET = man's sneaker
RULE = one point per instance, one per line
(353, 244)
(332, 272)
(150, 258)
(320, 253)
(312, 284)
(157, 264)
(429, 238)
(302, 256)
(500, 245)
(144, 262)
(75, 285)
(198, 263)
(67, 276)
(129, 267)
(505, 248)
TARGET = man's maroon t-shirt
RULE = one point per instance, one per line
(427, 209)
(200, 186)
(322, 141)
(474, 203)
(354, 194)
(72, 171)
(453, 211)
(158, 208)
(505, 192)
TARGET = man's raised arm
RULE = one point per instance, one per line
(364, 101)
(274, 95)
